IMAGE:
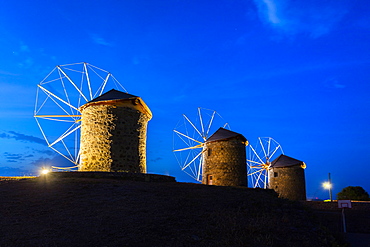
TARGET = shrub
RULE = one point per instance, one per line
(353, 193)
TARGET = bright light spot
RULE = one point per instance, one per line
(327, 185)
(44, 171)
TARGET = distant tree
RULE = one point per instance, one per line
(353, 193)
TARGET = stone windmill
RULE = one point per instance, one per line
(224, 159)
(208, 152)
(287, 178)
(113, 133)
(92, 127)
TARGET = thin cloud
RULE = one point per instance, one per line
(333, 83)
(24, 48)
(293, 17)
(26, 63)
(22, 137)
(156, 159)
(3, 72)
(57, 161)
(11, 158)
(271, 11)
(47, 152)
(99, 40)
(11, 171)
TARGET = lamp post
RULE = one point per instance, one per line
(328, 185)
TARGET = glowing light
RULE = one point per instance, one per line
(45, 171)
(327, 185)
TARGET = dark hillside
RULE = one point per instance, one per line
(111, 212)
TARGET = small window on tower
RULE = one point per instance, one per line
(276, 174)
(209, 151)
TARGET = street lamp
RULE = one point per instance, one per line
(45, 171)
(328, 185)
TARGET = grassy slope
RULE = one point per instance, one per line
(109, 212)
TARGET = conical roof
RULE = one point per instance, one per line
(113, 95)
(285, 161)
(224, 134)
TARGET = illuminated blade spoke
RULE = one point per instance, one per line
(77, 151)
(64, 88)
(194, 147)
(200, 166)
(69, 79)
(186, 141)
(276, 149)
(255, 172)
(43, 103)
(186, 136)
(255, 162)
(88, 81)
(61, 100)
(187, 131)
(200, 169)
(56, 150)
(189, 154)
(63, 116)
(65, 135)
(255, 185)
(59, 120)
(201, 121)
(194, 126)
(61, 107)
(263, 148)
(78, 156)
(254, 151)
(36, 104)
(210, 123)
(92, 66)
(64, 168)
(42, 132)
(67, 150)
(105, 83)
(51, 72)
(118, 83)
(192, 160)
(261, 175)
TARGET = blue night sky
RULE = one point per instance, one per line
(296, 71)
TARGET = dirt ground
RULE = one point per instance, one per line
(357, 221)
(49, 211)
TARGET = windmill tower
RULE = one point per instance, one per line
(113, 133)
(224, 159)
(286, 177)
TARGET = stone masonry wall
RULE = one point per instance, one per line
(113, 138)
(225, 161)
(288, 182)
